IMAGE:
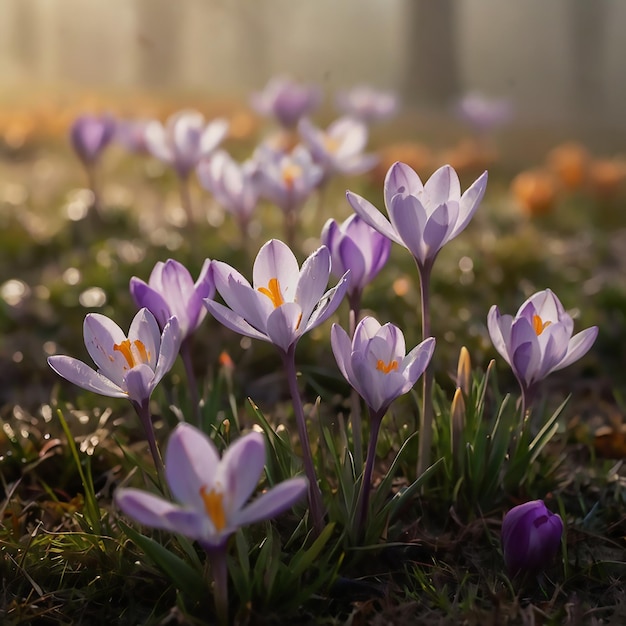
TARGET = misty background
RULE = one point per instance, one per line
(558, 61)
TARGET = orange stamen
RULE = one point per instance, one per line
(385, 368)
(140, 355)
(539, 325)
(214, 505)
(290, 173)
(272, 291)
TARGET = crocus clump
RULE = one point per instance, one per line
(531, 536)
(212, 496)
(538, 339)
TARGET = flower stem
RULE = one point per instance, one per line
(315, 495)
(219, 570)
(185, 353)
(355, 400)
(92, 181)
(376, 419)
(143, 411)
(426, 418)
(185, 199)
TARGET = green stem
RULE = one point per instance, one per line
(143, 411)
(355, 400)
(426, 418)
(185, 199)
(315, 495)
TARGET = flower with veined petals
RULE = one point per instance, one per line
(286, 100)
(340, 147)
(423, 217)
(531, 536)
(284, 301)
(538, 340)
(170, 290)
(185, 139)
(367, 104)
(233, 185)
(355, 246)
(211, 492)
(375, 362)
(90, 135)
(287, 179)
(128, 367)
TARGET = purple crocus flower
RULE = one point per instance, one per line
(286, 100)
(375, 362)
(355, 246)
(424, 217)
(90, 135)
(234, 186)
(128, 367)
(339, 149)
(367, 104)
(482, 113)
(538, 340)
(287, 179)
(531, 536)
(212, 493)
(170, 290)
(185, 139)
(284, 301)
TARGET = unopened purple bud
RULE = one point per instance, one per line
(531, 535)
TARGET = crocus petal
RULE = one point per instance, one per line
(152, 511)
(145, 328)
(372, 216)
(171, 340)
(277, 500)
(139, 383)
(469, 202)
(442, 186)
(578, 346)
(232, 320)
(417, 360)
(328, 303)
(313, 280)
(409, 218)
(341, 345)
(353, 259)
(285, 325)
(241, 467)
(146, 296)
(191, 461)
(254, 306)
(275, 260)
(499, 327)
(401, 178)
(156, 142)
(213, 135)
(84, 376)
(101, 336)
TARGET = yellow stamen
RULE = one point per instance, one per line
(331, 144)
(272, 291)
(385, 368)
(299, 321)
(539, 325)
(139, 355)
(214, 505)
(290, 173)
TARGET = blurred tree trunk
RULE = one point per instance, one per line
(160, 25)
(587, 29)
(25, 42)
(432, 73)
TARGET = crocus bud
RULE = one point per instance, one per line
(531, 536)
(464, 371)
